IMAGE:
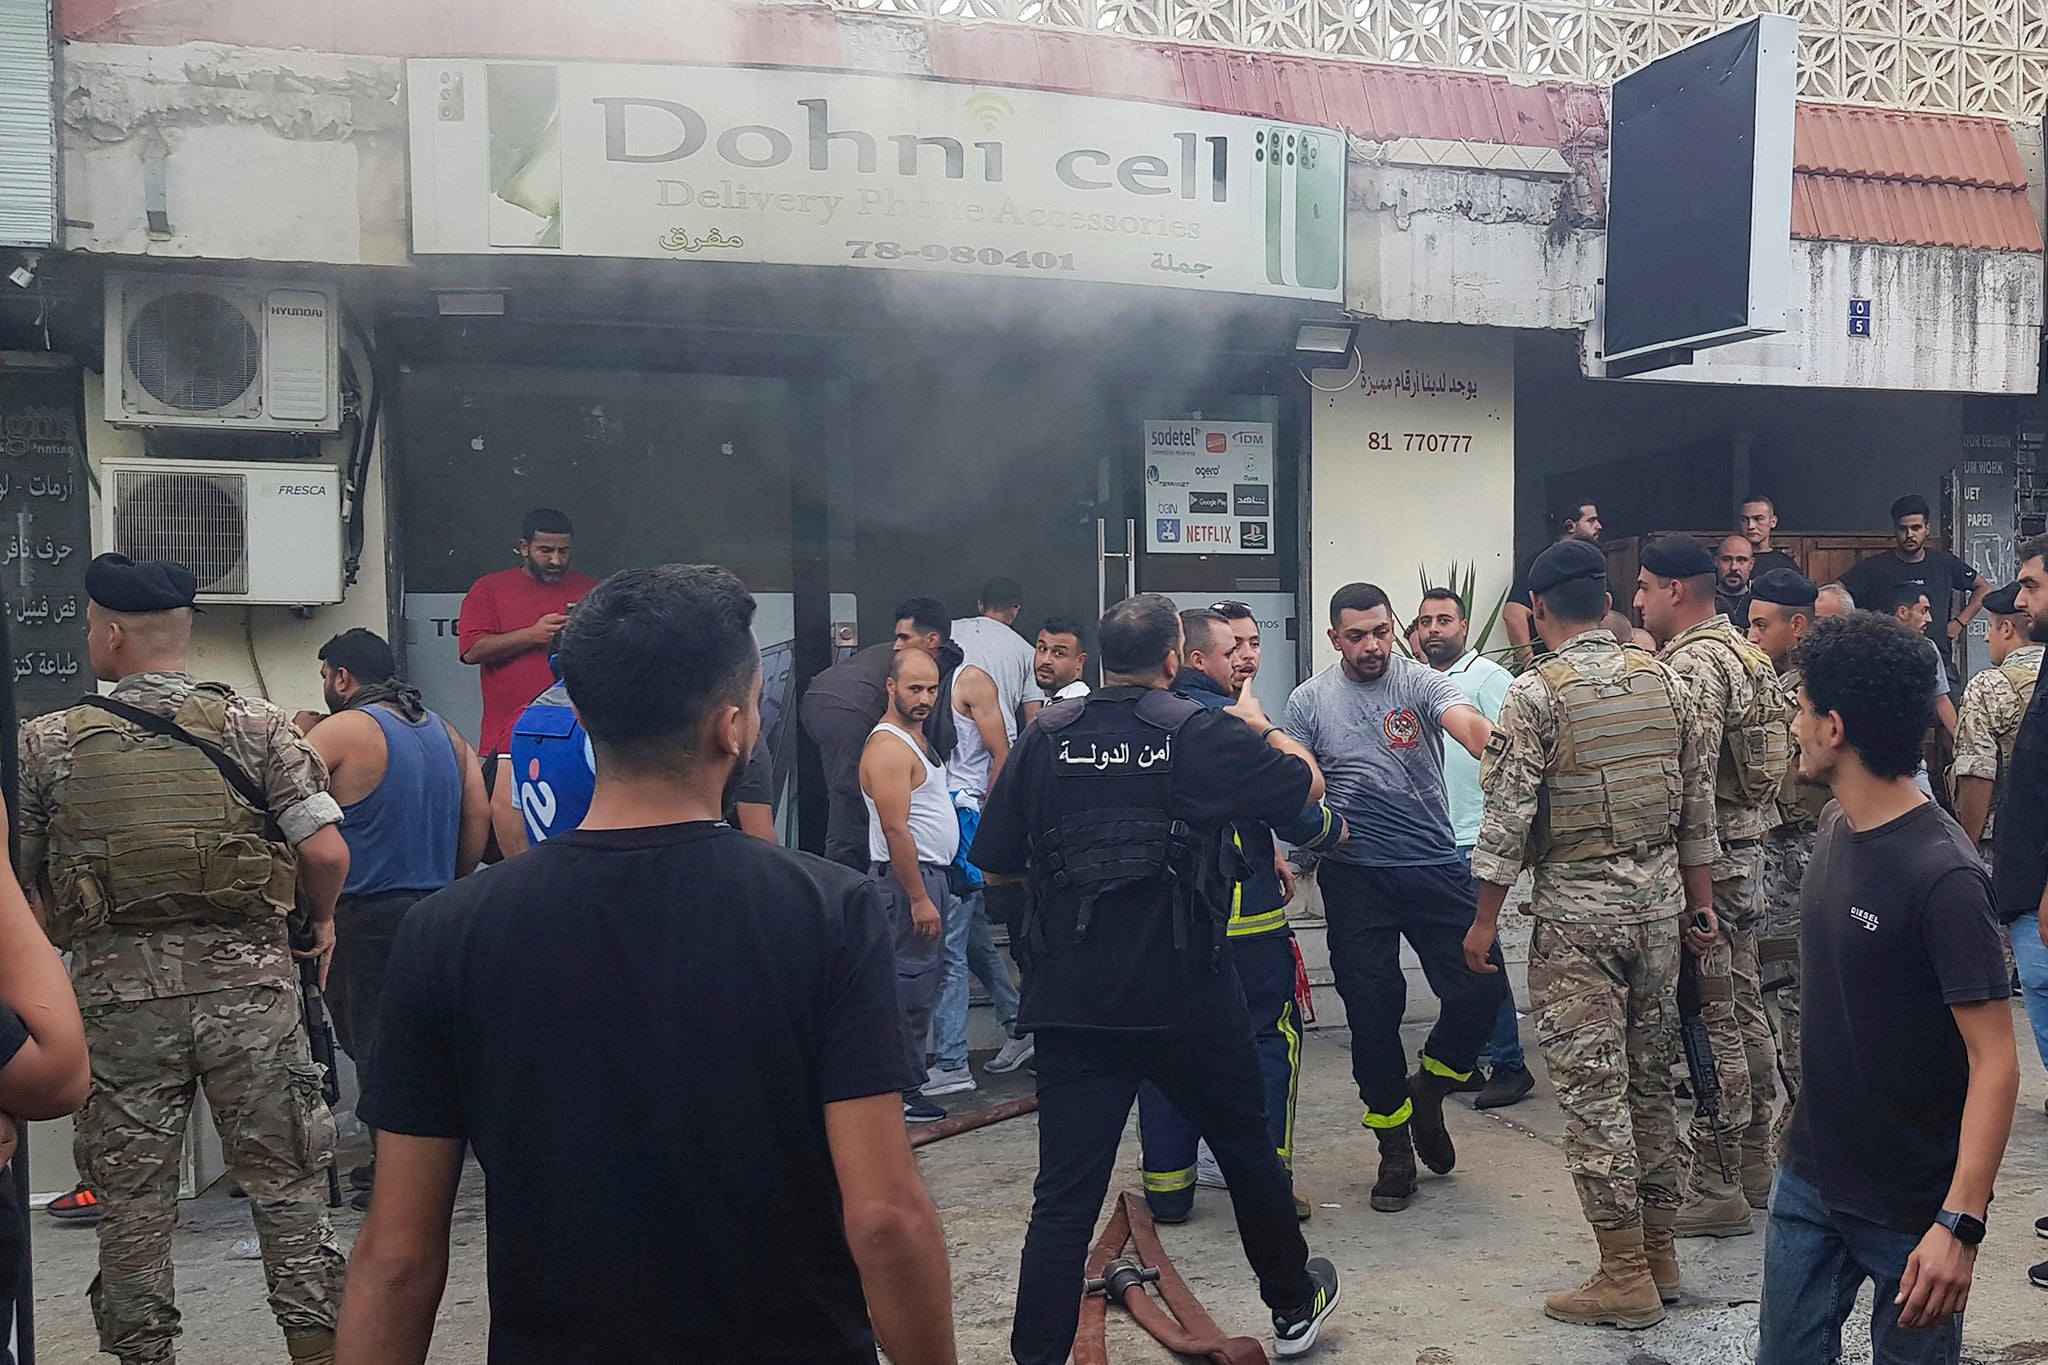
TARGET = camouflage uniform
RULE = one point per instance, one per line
(1988, 721)
(1786, 854)
(177, 994)
(1731, 984)
(1603, 961)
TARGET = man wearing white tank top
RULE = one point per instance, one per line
(913, 836)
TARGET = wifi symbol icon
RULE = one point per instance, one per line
(989, 109)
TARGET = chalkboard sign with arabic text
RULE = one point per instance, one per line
(45, 537)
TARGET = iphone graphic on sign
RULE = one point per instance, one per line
(1304, 204)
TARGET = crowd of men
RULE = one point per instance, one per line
(1722, 808)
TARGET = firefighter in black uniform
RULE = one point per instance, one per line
(1114, 808)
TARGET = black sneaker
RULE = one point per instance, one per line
(1506, 1086)
(2041, 1227)
(2037, 1276)
(1294, 1333)
(918, 1109)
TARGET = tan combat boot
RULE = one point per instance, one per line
(311, 1348)
(1621, 1292)
(1715, 1209)
(1660, 1247)
(1758, 1170)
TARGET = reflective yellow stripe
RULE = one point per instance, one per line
(1293, 1036)
(1437, 1068)
(1393, 1120)
(1253, 925)
(1236, 888)
(1169, 1182)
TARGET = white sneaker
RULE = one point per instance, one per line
(945, 1081)
(1208, 1174)
(1015, 1053)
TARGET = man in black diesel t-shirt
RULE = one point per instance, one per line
(1909, 1067)
(654, 990)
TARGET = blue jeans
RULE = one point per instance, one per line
(2030, 955)
(1505, 1047)
(970, 946)
(1265, 973)
(1814, 1262)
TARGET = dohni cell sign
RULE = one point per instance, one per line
(1209, 488)
(795, 167)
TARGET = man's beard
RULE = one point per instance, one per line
(548, 573)
(1442, 651)
(334, 702)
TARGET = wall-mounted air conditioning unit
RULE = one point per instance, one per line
(253, 534)
(189, 350)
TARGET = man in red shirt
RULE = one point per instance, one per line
(509, 622)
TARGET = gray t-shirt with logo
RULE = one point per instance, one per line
(1381, 748)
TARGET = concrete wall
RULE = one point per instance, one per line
(265, 651)
(1379, 511)
(1941, 319)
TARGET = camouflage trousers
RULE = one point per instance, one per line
(1605, 999)
(1732, 1007)
(1786, 854)
(149, 1057)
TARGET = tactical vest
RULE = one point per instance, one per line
(1799, 803)
(148, 834)
(1112, 833)
(1613, 788)
(2023, 680)
(1756, 747)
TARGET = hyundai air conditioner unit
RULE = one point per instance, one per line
(194, 351)
(252, 534)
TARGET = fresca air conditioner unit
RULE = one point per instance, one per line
(253, 534)
(191, 351)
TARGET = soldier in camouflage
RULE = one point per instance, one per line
(1596, 779)
(1778, 619)
(1735, 688)
(169, 887)
(1988, 721)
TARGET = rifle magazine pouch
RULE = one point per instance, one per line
(314, 1133)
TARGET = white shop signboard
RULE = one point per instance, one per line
(1209, 488)
(788, 166)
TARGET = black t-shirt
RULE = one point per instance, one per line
(1774, 559)
(1126, 975)
(1895, 927)
(638, 1031)
(13, 1033)
(1939, 574)
(1736, 609)
(2021, 866)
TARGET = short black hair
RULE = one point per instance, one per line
(1066, 625)
(1912, 505)
(1230, 609)
(1763, 498)
(1198, 627)
(1576, 600)
(364, 653)
(1904, 595)
(928, 614)
(2033, 547)
(1565, 513)
(1138, 633)
(1445, 595)
(648, 652)
(1357, 597)
(545, 521)
(1002, 593)
(1873, 672)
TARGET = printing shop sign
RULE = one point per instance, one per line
(1209, 488)
(788, 166)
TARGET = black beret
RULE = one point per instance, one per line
(1786, 587)
(118, 583)
(1677, 557)
(2004, 602)
(1567, 559)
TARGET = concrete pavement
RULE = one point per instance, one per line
(1458, 1279)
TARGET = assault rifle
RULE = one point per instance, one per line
(319, 1037)
(1699, 1055)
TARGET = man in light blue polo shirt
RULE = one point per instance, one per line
(1442, 630)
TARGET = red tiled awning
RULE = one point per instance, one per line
(1871, 175)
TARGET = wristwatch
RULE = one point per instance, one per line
(1965, 1229)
